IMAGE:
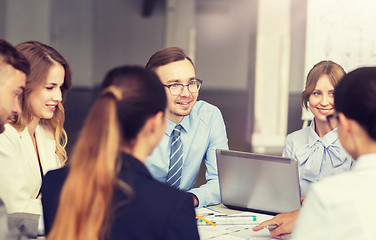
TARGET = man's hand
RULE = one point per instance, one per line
(285, 222)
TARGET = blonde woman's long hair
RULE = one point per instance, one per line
(131, 96)
(41, 58)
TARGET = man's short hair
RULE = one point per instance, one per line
(166, 56)
(9, 55)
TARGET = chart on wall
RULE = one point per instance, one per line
(343, 31)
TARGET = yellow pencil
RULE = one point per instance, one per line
(203, 219)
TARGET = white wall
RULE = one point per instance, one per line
(93, 36)
(123, 36)
(72, 34)
(298, 39)
(64, 25)
(27, 20)
(96, 35)
(272, 75)
(2, 18)
(180, 25)
(224, 30)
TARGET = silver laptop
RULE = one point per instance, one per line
(258, 183)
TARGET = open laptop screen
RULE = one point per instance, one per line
(258, 183)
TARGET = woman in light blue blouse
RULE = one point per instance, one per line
(317, 147)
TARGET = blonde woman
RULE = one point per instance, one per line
(34, 142)
(108, 192)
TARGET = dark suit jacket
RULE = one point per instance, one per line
(156, 212)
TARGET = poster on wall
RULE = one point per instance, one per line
(343, 31)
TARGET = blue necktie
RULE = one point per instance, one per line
(176, 158)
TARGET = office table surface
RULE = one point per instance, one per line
(231, 232)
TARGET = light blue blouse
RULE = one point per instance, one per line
(318, 158)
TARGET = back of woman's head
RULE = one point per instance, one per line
(355, 97)
(334, 71)
(139, 95)
(132, 95)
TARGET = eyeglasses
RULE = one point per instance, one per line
(332, 120)
(177, 88)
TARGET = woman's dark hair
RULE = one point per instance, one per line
(355, 97)
(142, 97)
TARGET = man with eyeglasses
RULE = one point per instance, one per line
(195, 129)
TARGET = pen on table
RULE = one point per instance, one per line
(271, 226)
(253, 217)
(207, 221)
(234, 220)
(212, 210)
(220, 215)
(213, 215)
